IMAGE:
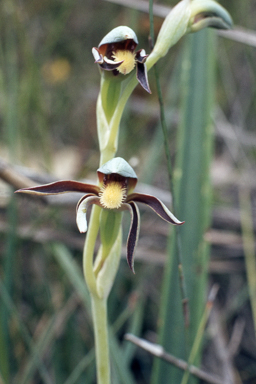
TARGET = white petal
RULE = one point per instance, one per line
(108, 61)
(97, 56)
(81, 210)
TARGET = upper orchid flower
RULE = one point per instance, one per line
(116, 53)
(117, 180)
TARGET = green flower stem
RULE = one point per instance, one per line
(110, 107)
(89, 250)
(99, 305)
(102, 125)
(115, 121)
(109, 92)
(107, 154)
(109, 114)
(99, 312)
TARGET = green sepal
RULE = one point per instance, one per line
(109, 267)
(110, 222)
(117, 165)
(119, 35)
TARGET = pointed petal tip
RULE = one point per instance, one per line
(131, 266)
(156, 205)
(30, 191)
(21, 190)
(142, 76)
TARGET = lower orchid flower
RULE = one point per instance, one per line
(117, 181)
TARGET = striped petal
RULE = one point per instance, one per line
(63, 186)
(110, 65)
(142, 76)
(133, 233)
(82, 206)
(156, 205)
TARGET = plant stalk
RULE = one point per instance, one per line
(99, 312)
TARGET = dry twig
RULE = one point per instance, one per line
(158, 351)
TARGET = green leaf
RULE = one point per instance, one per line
(192, 203)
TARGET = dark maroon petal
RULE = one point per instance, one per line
(110, 66)
(104, 62)
(133, 233)
(142, 76)
(63, 186)
(158, 207)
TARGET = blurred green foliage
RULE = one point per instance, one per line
(48, 90)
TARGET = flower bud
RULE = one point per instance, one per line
(188, 16)
(208, 13)
(173, 28)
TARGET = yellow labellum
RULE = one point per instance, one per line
(112, 195)
(128, 59)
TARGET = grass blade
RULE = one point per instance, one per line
(192, 198)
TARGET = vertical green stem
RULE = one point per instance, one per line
(99, 312)
(89, 250)
(110, 106)
(99, 305)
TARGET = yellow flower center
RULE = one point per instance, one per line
(128, 59)
(112, 195)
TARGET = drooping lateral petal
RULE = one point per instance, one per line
(158, 207)
(133, 232)
(113, 62)
(110, 65)
(62, 186)
(82, 206)
(142, 76)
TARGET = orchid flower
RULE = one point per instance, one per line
(117, 181)
(116, 53)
